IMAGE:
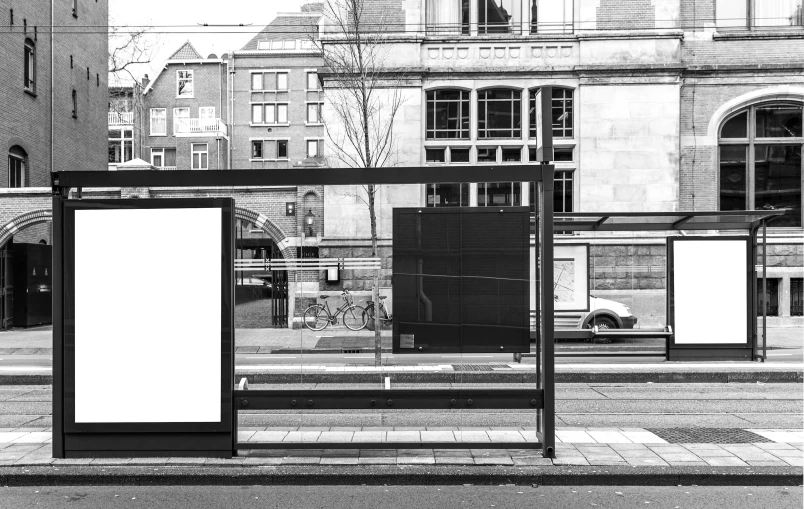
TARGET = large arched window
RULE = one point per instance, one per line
(17, 166)
(760, 160)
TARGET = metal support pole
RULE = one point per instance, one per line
(58, 344)
(547, 308)
(764, 290)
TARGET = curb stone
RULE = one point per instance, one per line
(433, 475)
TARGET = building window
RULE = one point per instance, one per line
(447, 17)
(164, 158)
(449, 155)
(75, 104)
(499, 16)
(312, 81)
(499, 113)
(499, 194)
(200, 156)
(562, 193)
(30, 66)
(178, 114)
(747, 14)
(121, 143)
(272, 81)
(771, 303)
(447, 114)
(269, 113)
(269, 150)
(760, 160)
(796, 296)
(158, 122)
(206, 112)
(184, 84)
(562, 154)
(315, 148)
(562, 113)
(448, 195)
(17, 165)
(314, 113)
(551, 16)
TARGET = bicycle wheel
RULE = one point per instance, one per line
(316, 317)
(354, 318)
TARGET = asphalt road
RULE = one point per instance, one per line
(386, 497)
(776, 406)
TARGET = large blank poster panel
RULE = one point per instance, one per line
(710, 298)
(147, 313)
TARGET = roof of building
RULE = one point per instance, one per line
(287, 26)
(186, 52)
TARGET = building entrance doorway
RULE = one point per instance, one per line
(261, 298)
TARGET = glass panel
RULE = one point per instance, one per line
(777, 181)
(256, 81)
(563, 155)
(512, 154)
(736, 127)
(778, 13)
(731, 13)
(448, 114)
(499, 113)
(733, 171)
(312, 81)
(447, 16)
(256, 150)
(127, 150)
(435, 155)
(270, 114)
(772, 300)
(487, 155)
(281, 113)
(499, 16)
(551, 16)
(779, 122)
(796, 296)
(282, 149)
(282, 81)
(496, 194)
(449, 195)
(459, 155)
(562, 119)
(170, 157)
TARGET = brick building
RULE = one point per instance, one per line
(657, 106)
(185, 124)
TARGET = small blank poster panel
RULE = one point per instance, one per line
(710, 297)
(147, 312)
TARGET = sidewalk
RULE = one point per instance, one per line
(584, 456)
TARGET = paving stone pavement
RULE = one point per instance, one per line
(580, 446)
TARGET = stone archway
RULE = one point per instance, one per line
(261, 221)
(23, 221)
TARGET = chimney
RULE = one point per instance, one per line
(145, 81)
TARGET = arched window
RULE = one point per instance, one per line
(17, 166)
(30, 66)
(760, 160)
(499, 113)
(447, 114)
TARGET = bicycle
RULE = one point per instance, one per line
(354, 317)
(385, 318)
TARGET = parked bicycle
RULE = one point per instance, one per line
(384, 317)
(318, 316)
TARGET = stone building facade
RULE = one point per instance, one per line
(642, 91)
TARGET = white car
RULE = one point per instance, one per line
(603, 313)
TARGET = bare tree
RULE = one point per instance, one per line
(364, 96)
(130, 46)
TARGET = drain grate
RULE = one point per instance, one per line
(708, 436)
(478, 367)
(354, 350)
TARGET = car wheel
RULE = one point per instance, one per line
(603, 323)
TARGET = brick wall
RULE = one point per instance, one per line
(625, 14)
(297, 130)
(696, 13)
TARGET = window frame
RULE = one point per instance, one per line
(750, 142)
(200, 153)
(516, 110)
(463, 102)
(750, 20)
(276, 142)
(560, 132)
(160, 152)
(22, 162)
(319, 147)
(190, 79)
(319, 107)
(263, 73)
(29, 64)
(121, 141)
(276, 117)
(317, 87)
(151, 122)
(176, 116)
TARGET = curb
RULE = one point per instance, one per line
(431, 475)
(489, 377)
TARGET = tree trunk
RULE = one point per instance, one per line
(375, 293)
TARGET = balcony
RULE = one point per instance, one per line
(121, 118)
(193, 127)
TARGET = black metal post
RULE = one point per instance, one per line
(547, 318)
(58, 343)
(764, 290)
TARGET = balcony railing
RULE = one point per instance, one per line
(199, 127)
(119, 118)
(167, 168)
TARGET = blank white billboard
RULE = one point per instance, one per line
(710, 291)
(148, 315)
